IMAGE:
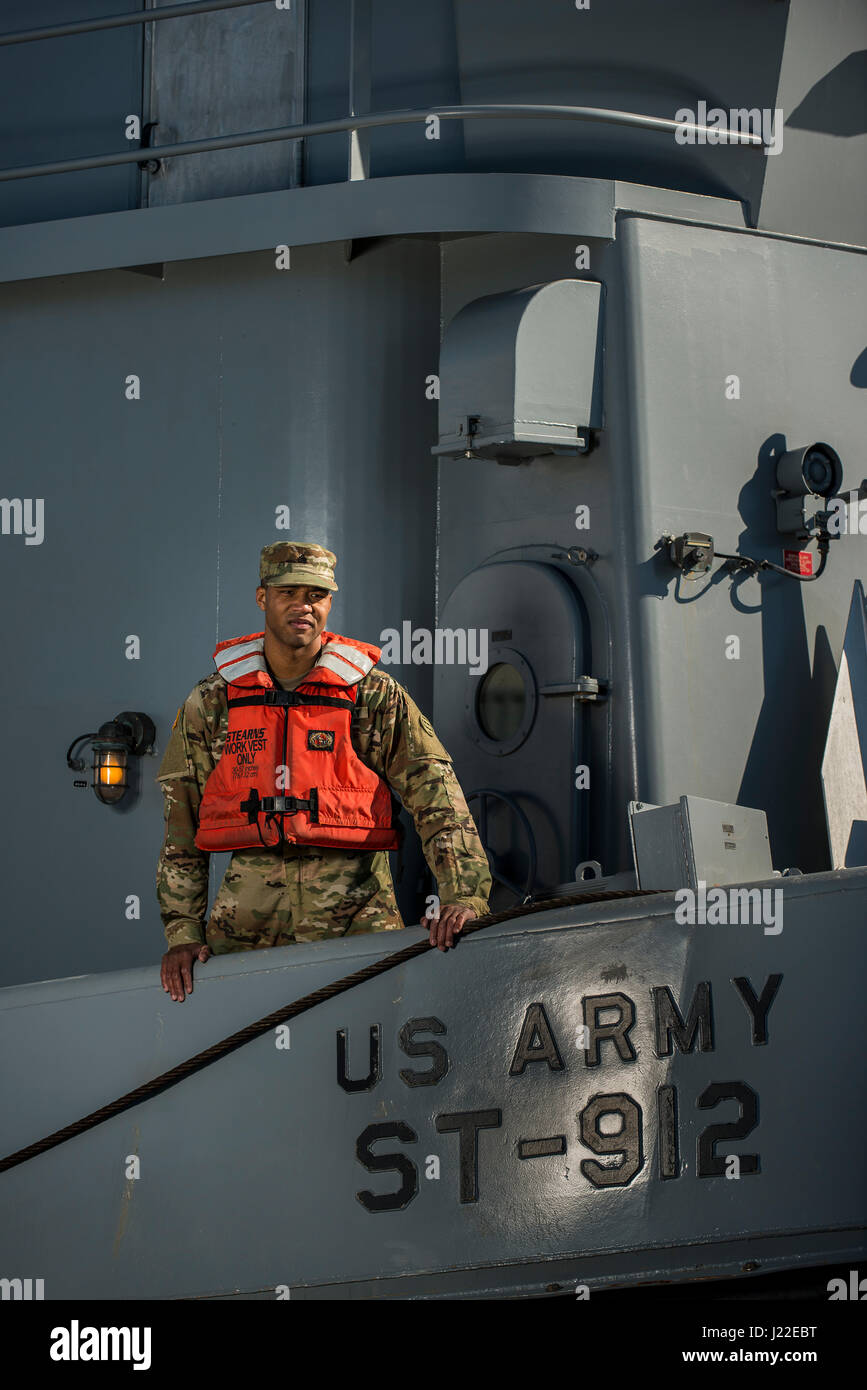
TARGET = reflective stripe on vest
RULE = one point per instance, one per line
(288, 770)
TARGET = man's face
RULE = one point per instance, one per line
(294, 613)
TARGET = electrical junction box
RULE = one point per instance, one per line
(696, 841)
(521, 373)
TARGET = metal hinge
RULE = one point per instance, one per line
(587, 689)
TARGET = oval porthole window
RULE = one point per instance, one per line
(502, 700)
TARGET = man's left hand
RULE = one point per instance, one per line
(448, 923)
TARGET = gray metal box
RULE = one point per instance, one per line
(525, 369)
(696, 841)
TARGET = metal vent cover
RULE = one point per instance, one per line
(520, 373)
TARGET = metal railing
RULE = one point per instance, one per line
(88, 26)
(513, 111)
(354, 124)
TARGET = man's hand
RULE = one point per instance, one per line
(176, 971)
(447, 923)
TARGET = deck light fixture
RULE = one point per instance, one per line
(128, 733)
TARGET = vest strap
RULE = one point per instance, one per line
(277, 805)
(288, 698)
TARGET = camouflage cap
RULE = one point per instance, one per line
(300, 562)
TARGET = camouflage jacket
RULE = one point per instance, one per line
(388, 732)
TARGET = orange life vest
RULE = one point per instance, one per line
(288, 770)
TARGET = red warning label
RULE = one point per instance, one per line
(798, 561)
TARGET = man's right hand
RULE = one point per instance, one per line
(176, 971)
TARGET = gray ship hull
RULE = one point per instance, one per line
(457, 1147)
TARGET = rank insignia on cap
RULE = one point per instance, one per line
(321, 739)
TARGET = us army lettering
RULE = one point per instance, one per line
(537, 1043)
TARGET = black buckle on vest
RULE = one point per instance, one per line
(281, 805)
(290, 698)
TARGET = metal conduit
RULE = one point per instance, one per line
(87, 26)
(380, 118)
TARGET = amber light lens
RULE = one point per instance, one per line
(109, 773)
(111, 769)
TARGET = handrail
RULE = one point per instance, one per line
(87, 26)
(511, 111)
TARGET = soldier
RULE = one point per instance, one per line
(301, 785)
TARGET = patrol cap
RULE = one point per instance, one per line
(298, 562)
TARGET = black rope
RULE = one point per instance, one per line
(300, 1006)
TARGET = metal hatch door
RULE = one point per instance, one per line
(516, 729)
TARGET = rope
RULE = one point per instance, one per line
(300, 1006)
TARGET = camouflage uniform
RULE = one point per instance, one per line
(302, 892)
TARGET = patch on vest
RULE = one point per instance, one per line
(321, 739)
